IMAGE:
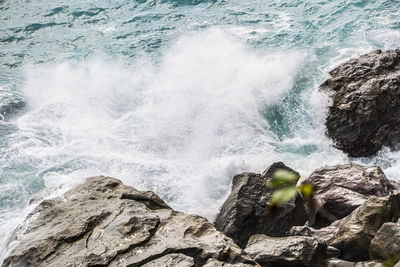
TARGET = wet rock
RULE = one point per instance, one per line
(342, 188)
(245, 212)
(11, 103)
(286, 251)
(365, 110)
(359, 228)
(386, 243)
(105, 223)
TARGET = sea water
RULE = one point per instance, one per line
(173, 96)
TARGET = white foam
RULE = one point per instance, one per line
(181, 127)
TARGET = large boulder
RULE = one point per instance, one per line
(357, 230)
(245, 212)
(342, 188)
(105, 223)
(365, 110)
(386, 243)
(301, 251)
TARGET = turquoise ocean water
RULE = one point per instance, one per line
(172, 96)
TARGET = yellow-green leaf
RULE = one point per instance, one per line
(283, 195)
(392, 261)
(307, 190)
(283, 177)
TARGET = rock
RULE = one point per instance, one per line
(358, 229)
(301, 231)
(386, 243)
(172, 260)
(342, 188)
(105, 223)
(286, 251)
(11, 103)
(245, 212)
(395, 184)
(325, 234)
(342, 263)
(365, 110)
(217, 263)
(332, 252)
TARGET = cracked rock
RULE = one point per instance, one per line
(245, 212)
(301, 251)
(357, 230)
(365, 110)
(105, 223)
(343, 188)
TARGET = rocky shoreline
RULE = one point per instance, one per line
(106, 223)
(354, 220)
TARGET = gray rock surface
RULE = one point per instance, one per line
(332, 252)
(342, 263)
(386, 243)
(216, 263)
(365, 110)
(359, 228)
(172, 260)
(298, 251)
(342, 188)
(105, 223)
(325, 234)
(395, 184)
(245, 212)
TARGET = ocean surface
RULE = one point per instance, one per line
(174, 96)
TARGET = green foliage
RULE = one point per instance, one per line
(283, 195)
(283, 177)
(285, 184)
(391, 262)
(307, 190)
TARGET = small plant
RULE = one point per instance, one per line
(392, 262)
(285, 184)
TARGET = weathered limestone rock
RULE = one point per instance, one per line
(286, 251)
(172, 260)
(359, 228)
(217, 263)
(386, 243)
(342, 188)
(325, 234)
(365, 111)
(245, 212)
(342, 263)
(105, 223)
